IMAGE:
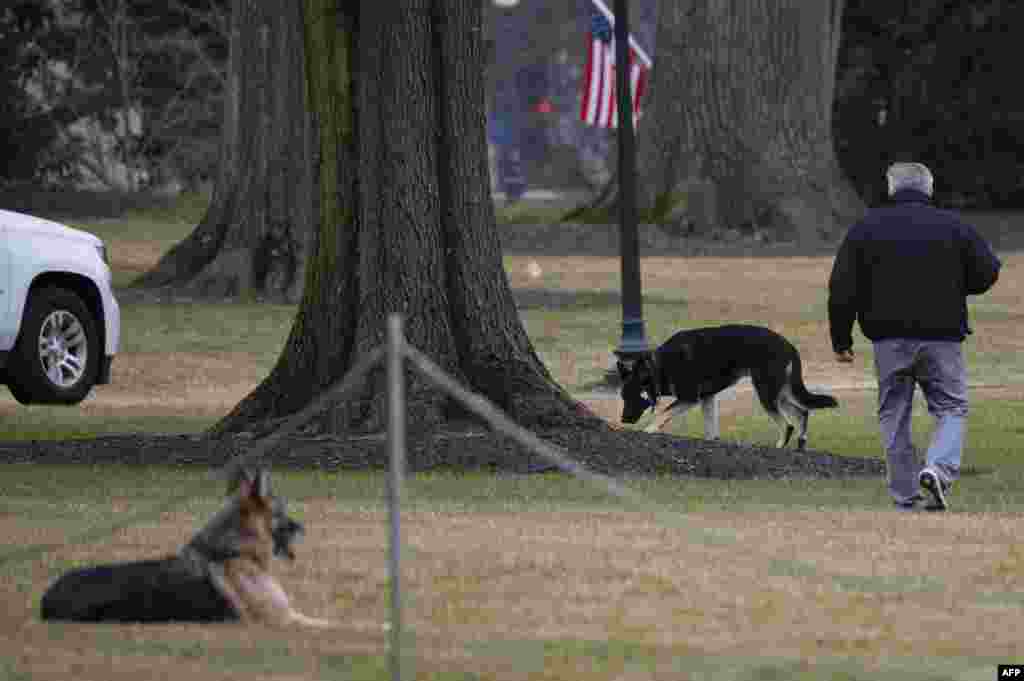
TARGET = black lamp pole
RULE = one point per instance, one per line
(634, 339)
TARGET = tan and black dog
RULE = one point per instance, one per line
(693, 366)
(246, 580)
(222, 574)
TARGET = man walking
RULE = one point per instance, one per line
(903, 272)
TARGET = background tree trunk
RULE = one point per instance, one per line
(739, 125)
(406, 224)
(255, 236)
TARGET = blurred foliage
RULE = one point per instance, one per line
(147, 73)
(922, 79)
(931, 80)
(25, 129)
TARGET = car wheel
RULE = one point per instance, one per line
(57, 357)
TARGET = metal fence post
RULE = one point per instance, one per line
(396, 442)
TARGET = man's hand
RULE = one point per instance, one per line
(844, 356)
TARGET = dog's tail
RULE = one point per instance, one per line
(806, 398)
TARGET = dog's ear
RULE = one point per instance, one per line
(262, 485)
(243, 485)
(254, 487)
(625, 368)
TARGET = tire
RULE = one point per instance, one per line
(57, 357)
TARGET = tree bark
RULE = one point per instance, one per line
(406, 225)
(257, 232)
(738, 131)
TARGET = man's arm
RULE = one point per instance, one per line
(842, 297)
(981, 266)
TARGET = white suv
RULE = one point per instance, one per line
(60, 324)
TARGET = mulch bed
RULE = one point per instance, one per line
(620, 453)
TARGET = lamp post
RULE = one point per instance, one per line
(634, 338)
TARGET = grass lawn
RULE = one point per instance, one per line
(542, 577)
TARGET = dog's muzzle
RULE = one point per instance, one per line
(284, 536)
(632, 415)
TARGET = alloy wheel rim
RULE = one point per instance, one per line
(63, 348)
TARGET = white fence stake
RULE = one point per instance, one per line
(396, 442)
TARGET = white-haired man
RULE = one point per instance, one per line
(903, 273)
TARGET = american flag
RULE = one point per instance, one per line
(599, 105)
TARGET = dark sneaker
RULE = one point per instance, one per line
(933, 484)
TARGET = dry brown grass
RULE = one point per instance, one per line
(136, 257)
(796, 584)
(806, 584)
(783, 293)
(197, 387)
(193, 382)
(787, 294)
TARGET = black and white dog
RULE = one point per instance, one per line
(694, 366)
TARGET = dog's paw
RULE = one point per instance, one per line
(311, 622)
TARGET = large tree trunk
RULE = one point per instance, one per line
(406, 224)
(256, 234)
(739, 127)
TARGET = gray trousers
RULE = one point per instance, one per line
(938, 367)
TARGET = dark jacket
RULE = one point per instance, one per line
(904, 271)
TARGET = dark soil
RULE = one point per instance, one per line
(607, 451)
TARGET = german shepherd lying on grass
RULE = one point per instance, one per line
(693, 366)
(222, 574)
